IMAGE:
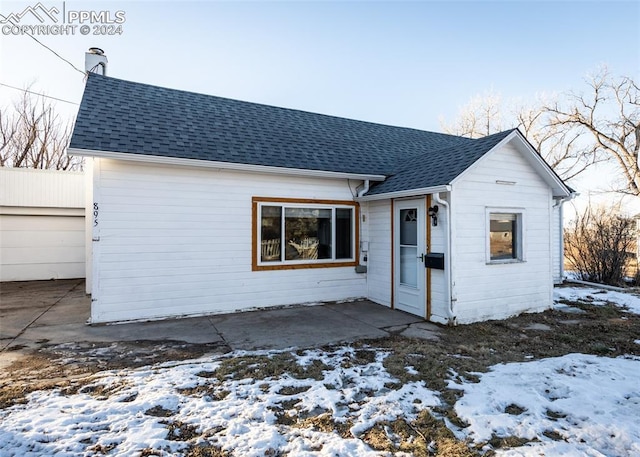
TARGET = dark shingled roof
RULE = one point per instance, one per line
(439, 167)
(128, 117)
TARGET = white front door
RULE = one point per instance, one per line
(409, 249)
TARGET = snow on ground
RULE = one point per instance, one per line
(576, 405)
(598, 297)
(126, 411)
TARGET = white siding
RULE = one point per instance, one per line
(88, 222)
(177, 241)
(41, 224)
(493, 291)
(438, 277)
(379, 258)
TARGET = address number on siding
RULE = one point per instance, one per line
(95, 214)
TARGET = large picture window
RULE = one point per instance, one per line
(299, 233)
(505, 237)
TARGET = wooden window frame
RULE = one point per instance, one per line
(255, 234)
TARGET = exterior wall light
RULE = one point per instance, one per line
(433, 213)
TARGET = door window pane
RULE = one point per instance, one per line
(409, 247)
(307, 233)
(409, 227)
(408, 266)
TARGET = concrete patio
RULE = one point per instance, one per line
(37, 313)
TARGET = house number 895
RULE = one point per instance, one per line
(95, 214)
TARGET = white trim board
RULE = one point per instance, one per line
(405, 193)
(177, 161)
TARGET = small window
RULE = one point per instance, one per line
(295, 234)
(505, 237)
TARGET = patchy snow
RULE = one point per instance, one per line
(598, 297)
(575, 405)
(578, 405)
(411, 370)
(127, 411)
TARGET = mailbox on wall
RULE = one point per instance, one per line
(434, 260)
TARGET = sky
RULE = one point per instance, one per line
(410, 64)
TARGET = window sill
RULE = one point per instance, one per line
(301, 266)
(505, 262)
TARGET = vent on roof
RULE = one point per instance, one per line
(95, 61)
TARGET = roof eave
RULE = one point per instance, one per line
(558, 187)
(405, 193)
(178, 161)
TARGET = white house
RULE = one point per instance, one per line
(202, 205)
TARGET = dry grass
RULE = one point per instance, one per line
(100, 449)
(325, 423)
(263, 367)
(206, 451)
(13, 395)
(159, 411)
(425, 436)
(179, 431)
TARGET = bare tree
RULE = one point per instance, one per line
(32, 135)
(562, 148)
(600, 244)
(481, 116)
(610, 116)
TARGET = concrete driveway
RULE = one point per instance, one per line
(37, 313)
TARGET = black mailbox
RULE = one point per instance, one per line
(434, 260)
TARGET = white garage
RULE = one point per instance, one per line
(42, 224)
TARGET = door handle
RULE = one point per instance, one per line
(421, 257)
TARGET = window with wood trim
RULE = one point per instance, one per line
(303, 233)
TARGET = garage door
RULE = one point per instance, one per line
(36, 247)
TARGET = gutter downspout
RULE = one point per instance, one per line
(447, 269)
(560, 204)
(365, 188)
(560, 228)
(360, 268)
